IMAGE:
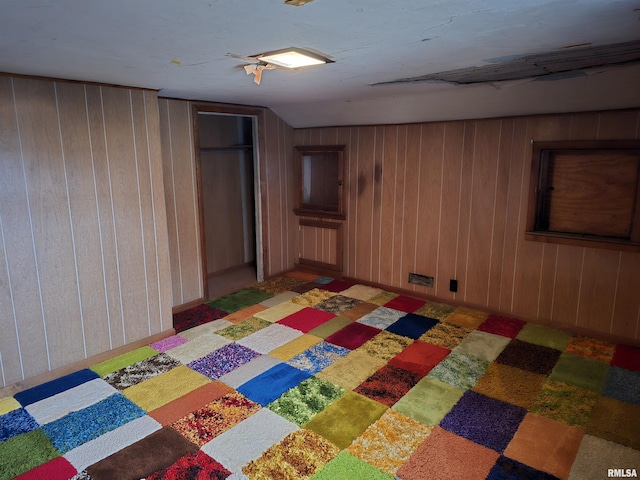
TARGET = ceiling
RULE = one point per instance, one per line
(189, 48)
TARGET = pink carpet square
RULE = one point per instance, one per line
(168, 343)
(405, 303)
(306, 319)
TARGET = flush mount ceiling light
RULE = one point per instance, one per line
(292, 58)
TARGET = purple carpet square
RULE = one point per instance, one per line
(337, 286)
(59, 385)
(353, 335)
(16, 422)
(268, 386)
(412, 325)
(484, 420)
(508, 469)
(168, 343)
(222, 361)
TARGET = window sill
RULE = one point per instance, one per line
(578, 240)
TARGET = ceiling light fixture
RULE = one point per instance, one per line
(292, 58)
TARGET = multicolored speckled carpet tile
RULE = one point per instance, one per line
(305, 377)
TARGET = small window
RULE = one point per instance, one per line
(585, 193)
(320, 181)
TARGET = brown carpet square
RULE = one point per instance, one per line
(527, 356)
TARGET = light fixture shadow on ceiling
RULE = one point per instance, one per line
(557, 64)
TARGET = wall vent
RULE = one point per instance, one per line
(423, 280)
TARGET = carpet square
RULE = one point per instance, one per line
(388, 385)
(206, 423)
(346, 418)
(483, 345)
(467, 318)
(154, 452)
(505, 326)
(412, 325)
(16, 422)
(24, 452)
(580, 371)
(295, 347)
(337, 305)
(249, 371)
(528, 356)
(616, 421)
(298, 456)
(626, 356)
(268, 386)
(591, 348)
(565, 403)
(382, 298)
(484, 420)
(238, 300)
(351, 370)
(48, 389)
(157, 391)
(359, 311)
(279, 298)
(280, 311)
(304, 288)
(223, 360)
(390, 441)
(241, 329)
(263, 429)
(84, 425)
(197, 348)
(545, 444)
(278, 285)
(323, 280)
(381, 317)
(509, 384)
(346, 465)
(623, 385)
(330, 327)
(312, 297)
(361, 292)
(8, 404)
(248, 312)
(596, 456)
(353, 335)
(429, 401)
(303, 402)
(337, 286)
(58, 468)
(196, 316)
(141, 371)
(195, 399)
(460, 370)
(420, 357)
(508, 469)
(270, 338)
(168, 343)
(446, 456)
(544, 336)
(385, 345)
(306, 319)
(439, 311)
(447, 335)
(318, 357)
(207, 328)
(405, 303)
(192, 465)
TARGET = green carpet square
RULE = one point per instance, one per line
(349, 467)
(346, 418)
(544, 336)
(429, 401)
(582, 372)
(24, 452)
(302, 403)
(122, 361)
(239, 300)
(459, 370)
(243, 328)
(330, 327)
(565, 403)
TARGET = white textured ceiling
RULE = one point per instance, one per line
(181, 47)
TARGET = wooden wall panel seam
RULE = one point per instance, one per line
(175, 203)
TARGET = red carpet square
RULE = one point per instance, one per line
(352, 336)
(419, 357)
(306, 319)
(193, 466)
(507, 327)
(57, 469)
(388, 385)
(405, 303)
(337, 286)
(627, 357)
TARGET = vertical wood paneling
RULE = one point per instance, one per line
(364, 239)
(78, 223)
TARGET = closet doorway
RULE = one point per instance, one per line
(229, 201)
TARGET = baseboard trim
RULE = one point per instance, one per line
(12, 389)
(186, 306)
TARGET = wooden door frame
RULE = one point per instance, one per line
(259, 181)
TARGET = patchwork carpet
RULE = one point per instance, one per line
(307, 377)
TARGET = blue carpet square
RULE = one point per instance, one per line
(268, 386)
(484, 420)
(623, 385)
(412, 325)
(318, 357)
(508, 469)
(84, 425)
(16, 422)
(59, 385)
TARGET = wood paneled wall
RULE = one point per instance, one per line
(448, 199)
(84, 263)
(180, 176)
